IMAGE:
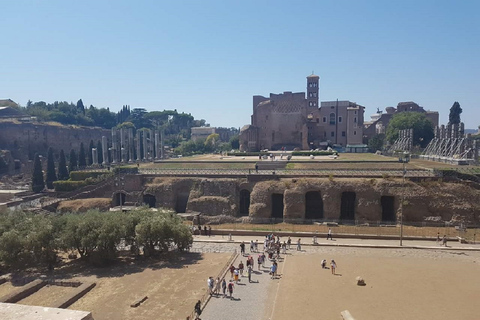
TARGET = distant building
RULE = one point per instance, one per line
(203, 132)
(296, 120)
(379, 121)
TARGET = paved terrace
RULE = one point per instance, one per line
(250, 299)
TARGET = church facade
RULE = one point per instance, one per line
(297, 120)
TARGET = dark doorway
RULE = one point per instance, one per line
(347, 209)
(120, 198)
(388, 208)
(313, 205)
(277, 205)
(244, 202)
(149, 200)
(182, 200)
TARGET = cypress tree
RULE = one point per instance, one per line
(51, 175)
(455, 111)
(72, 164)
(38, 183)
(82, 162)
(100, 152)
(90, 156)
(62, 167)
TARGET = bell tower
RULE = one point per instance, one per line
(312, 91)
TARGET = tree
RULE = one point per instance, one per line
(212, 141)
(455, 111)
(73, 162)
(235, 142)
(38, 183)
(82, 162)
(51, 175)
(90, 155)
(422, 127)
(80, 107)
(100, 152)
(376, 142)
(62, 167)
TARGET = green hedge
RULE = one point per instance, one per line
(313, 153)
(83, 175)
(245, 154)
(126, 169)
(68, 185)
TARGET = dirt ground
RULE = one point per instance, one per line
(172, 288)
(46, 296)
(400, 284)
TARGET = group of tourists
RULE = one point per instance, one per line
(214, 287)
(205, 231)
(333, 265)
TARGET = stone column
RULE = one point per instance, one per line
(122, 145)
(130, 145)
(95, 156)
(157, 150)
(105, 150)
(139, 143)
(145, 145)
(114, 146)
(161, 145)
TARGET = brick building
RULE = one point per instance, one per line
(297, 120)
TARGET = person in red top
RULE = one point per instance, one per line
(232, 269)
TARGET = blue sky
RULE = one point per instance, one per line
(209, 58)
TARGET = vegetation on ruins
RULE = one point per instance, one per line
(62, 167)
(376, 142)
(28, 239)
(455, 111)
(38, 184)
(422, 127)
(51, 174)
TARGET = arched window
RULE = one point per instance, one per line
(332, 118)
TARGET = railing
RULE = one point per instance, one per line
(374, 172)
(206, 296)
(418, 230)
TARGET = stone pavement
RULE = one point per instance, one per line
(248, 298)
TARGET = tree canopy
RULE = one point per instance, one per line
(51, 174)
(422, 127)
(38, 184)
(455, 111)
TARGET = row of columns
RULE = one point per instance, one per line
(123, 144)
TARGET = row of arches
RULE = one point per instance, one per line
(314, 206)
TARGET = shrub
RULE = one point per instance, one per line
(125, 169)
(68, 185)
(313, 153)
(83, 175)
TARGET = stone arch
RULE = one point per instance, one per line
(388, 208)
(149, 200)
(277, 205)
(182, 199)
(244, 202)
(119, 198)
(313, 205)
(347, 208)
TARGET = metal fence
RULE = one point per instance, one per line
(418, 230)
(373, 172)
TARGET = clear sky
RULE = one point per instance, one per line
(209, 58)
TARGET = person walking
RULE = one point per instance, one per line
(249, 271)
(198, 309)
(299, 246)
(216, 289)
(230, 289)
(232, 270)
(209, 231)
(210, 285)
(240, 268)
(444, 240)
(251, 246)
(329, 234)
(289, 242)
(235, 275)
(333, 266)
(256, 245)
(242, 248)
(224, 287)
(438, 237)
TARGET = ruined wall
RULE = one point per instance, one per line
(222, 196)
(25, 139)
